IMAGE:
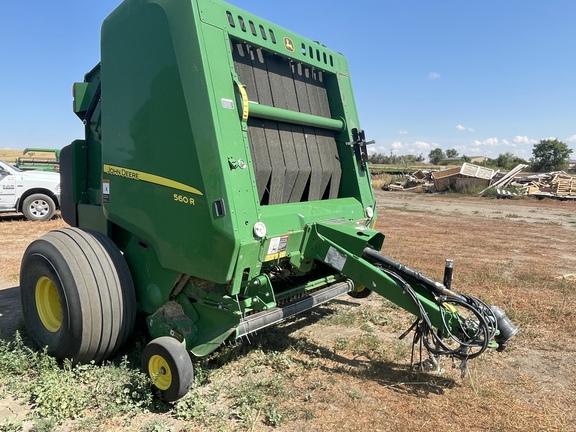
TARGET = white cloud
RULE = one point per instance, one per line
(405, 132)
(572, 139)
(493, 146)
(523, 140)
(403, 148)
(374, 149)
(489, 142)
(464, 128)
(422, 146)
(434, 75)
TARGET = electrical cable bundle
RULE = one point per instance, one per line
(473, 334)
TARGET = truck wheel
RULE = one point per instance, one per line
(168, 364)
(77, 295)
(38, 207)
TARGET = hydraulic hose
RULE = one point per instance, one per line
(376, 257)
(475, 333)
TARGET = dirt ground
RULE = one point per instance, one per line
(518, 254)
(546, 211)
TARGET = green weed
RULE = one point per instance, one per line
(355, 317)
(341, 343)
(157, 426)
(10, 425)
(258, 400)
(355, 394)
(45, 424)
(62, 391)
(194, 406)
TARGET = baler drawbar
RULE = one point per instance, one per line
(221, 187)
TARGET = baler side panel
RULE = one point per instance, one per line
(159, 123)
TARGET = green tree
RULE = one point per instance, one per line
(509, 160)
(550, 155)
(450, 153)
(377, 158)
(436, 155)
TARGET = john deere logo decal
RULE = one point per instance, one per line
(289, 45)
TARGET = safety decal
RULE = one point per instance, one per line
(277, 247)
(227, 103)
(149, 178)
(335, 258)
(106, 191)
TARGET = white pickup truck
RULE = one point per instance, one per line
(36, 194)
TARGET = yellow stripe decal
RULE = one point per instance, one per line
(149, 178)
(245, 105)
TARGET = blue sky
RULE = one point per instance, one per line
(483, 77)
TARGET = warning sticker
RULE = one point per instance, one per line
(227, 103)
(106, 191)
(335, 258)
(277, 247)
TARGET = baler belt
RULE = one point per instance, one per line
(293, 143)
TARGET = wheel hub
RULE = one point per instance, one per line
(159, 371)
(39, 208)
(48, 304)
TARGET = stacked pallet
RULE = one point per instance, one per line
(565, 184)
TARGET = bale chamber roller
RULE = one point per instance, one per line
(221, 187)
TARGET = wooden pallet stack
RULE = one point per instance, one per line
(565, 184)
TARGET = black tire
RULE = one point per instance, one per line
(77, 295)
(360, 292)
(38, 207)
(168, 364)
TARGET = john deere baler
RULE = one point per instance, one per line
(221, 187)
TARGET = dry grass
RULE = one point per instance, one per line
(342, 367)
(518, 266)
(511, 263)
(10, 155)
(16, 233)
(381, 180)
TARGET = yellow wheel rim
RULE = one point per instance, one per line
(159, 371)
(48, 304)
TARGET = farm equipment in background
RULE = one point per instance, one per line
(48, 161)
(221, 187)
